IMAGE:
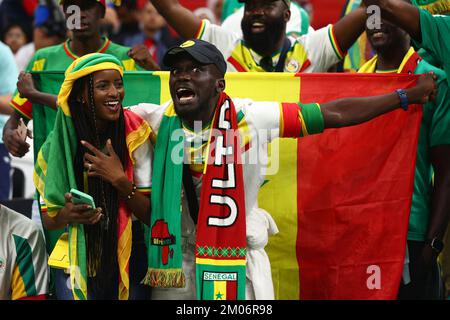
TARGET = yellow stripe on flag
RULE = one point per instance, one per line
(220, 290)
(279, 198)
(279, 195)
(283, 87)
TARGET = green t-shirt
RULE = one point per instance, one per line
(436, 38)
(434, 130)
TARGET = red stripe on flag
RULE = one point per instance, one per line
(351, 190)
(231, 290)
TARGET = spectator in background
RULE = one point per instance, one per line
(8, 78)
(129, 33)
(15, 36)
(12, 11)
(155, 34)
(49, 30)
(265, 47)
(297, 26)
(23, 261)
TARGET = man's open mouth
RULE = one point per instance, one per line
(185, 95)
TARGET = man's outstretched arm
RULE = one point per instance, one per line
(353, 111)
(180, 18)
(401, 13)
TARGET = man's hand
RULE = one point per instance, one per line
(143, 58)
(105, 166)
(424, 91)
(13, 139)
(25, 85)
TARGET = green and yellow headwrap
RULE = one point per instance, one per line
(433, 6)
(82, 67)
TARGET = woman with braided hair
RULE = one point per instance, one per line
(103, 150)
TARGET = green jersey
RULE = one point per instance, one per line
(434, 131)
(436, 38)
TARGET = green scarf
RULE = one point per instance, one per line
(164, 252)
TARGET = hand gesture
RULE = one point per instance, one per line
(143, 58)
(78, 213)
(106, 166)
(15, 139)
(25, 85)
(425, 89)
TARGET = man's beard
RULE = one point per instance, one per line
(260, 42)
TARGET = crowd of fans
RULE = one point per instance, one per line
(139, 33)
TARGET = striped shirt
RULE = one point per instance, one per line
(23, 259)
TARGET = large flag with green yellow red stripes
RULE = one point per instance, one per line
(341, 199)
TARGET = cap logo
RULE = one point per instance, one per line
(187, 44)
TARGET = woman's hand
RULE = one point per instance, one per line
(78, 213)
(105, 166)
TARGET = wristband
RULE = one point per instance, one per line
(403, 99)
(133, 192)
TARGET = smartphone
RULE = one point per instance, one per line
(79, 197)
(22, 128)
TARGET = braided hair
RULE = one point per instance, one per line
(101, 238)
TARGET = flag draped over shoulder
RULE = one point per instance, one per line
(341, 199)
(54, 174)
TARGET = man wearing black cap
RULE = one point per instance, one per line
(197, 85)
(265, 46)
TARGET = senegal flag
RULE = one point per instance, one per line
(341, 199)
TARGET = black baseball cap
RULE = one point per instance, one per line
(202, 51)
